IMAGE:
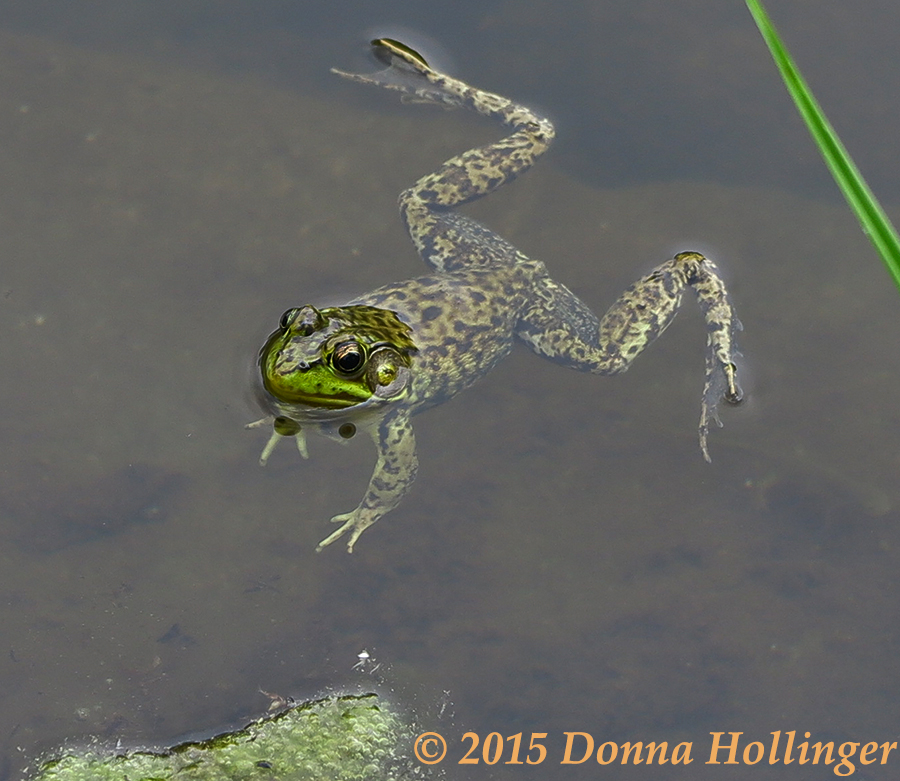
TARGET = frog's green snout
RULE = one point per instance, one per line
(298, 367)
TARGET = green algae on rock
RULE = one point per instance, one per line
(346, 738)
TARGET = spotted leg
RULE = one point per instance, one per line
(561, 327)
(444, 239)
(395, 472)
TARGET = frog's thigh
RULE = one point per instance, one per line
(560, 326)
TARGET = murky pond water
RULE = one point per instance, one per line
(176, 175)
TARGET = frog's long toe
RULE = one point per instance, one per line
(350, 522)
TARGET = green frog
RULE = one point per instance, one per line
(372, 364)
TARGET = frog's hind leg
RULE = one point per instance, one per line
(560, 326)
(443, 241)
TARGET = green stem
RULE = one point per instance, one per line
(871, 216)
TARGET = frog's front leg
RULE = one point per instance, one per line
(394, 474)
(560, 326)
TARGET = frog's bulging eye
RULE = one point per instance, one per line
(288, 318)
(347, 431)
(304, 320)
(348, 357)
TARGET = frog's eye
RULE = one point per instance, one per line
(348, 357)
(304, 320)
(288, 318)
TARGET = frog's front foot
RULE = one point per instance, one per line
(355, 522)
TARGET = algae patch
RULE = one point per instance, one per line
(347, 738)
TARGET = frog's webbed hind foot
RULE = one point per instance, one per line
(642, 324)
(721, 383)
(645, 310)
(407, 72)
(721, 327)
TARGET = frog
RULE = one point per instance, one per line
(389, 354)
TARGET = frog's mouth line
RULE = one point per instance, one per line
(334, 401)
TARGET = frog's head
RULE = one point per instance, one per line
(337, 358)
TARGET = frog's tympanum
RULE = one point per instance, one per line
(372, 364)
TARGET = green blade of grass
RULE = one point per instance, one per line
(865, 205)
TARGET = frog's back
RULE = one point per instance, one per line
(462, 323)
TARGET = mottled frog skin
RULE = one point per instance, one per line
(372, 364)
